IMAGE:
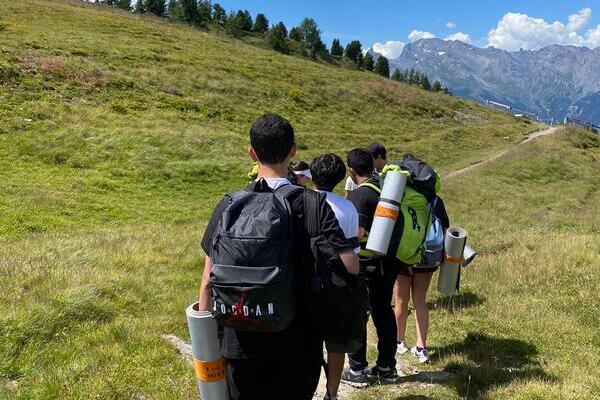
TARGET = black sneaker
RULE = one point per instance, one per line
(354, 379)
(387, 375)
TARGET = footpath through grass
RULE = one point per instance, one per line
(117, 136)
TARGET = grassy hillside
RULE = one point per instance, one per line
(136, 119)
(117, 136)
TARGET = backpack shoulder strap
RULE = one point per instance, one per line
(370, 185)
(283, 192)
(312, 212)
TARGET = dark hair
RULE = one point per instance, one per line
(361, 162)
(272, 138)
(299, 166)
(327, 171)
(377, 150)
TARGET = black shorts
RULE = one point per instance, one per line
(273, 379)
(342, 348)
(406, 270)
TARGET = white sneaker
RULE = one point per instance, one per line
(401, 349)
(422, 356)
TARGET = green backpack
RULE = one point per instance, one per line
(414, 221)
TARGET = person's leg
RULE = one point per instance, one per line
(309, 374)
(420, 286)
(401, 300)
(335, 364)
(243, 375)
(383, 316)
(358, 359)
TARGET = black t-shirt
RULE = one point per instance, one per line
(300, 338)
(365, 201)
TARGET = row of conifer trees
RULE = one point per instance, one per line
(306, 36)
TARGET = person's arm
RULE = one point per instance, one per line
(350, 260)
(204, 297)
(361, 232)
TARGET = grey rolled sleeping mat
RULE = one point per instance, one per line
(454, 243)
(211, 371)
(387, 212)
(468, 255)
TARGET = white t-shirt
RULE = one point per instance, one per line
(350, 185)
(346, 215)
(276, 183)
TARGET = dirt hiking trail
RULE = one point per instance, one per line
(526, 139)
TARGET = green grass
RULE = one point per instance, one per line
(526, 325)
(119, 133)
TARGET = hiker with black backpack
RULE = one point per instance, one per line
(381, 275)
(260, 277)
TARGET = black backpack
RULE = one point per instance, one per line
(337, 300)
(252, 278)
(423, 177)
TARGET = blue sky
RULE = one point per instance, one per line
(508, 24)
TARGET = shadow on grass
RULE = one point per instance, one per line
(413, 397)
(491, 362)
(456, 303)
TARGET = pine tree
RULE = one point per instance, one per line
(156, 7)
(368, 61)
(425, 82)
(416, 78)
(354, 51)
(238, 24)
(382, 67)
(437, 86)
(123, 4)
(336, 48)
(175, 11)
(276, 37)
(204, 11)
(141, 7)
(410, 76)
(311, 35)
(295, 34)
(261, 23)
(190, 11)
(247, 22)
(219, 14)
(397, 76)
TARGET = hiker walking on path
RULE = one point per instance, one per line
(328, 170)
(271, 349)
(414, 282)
(381, 274)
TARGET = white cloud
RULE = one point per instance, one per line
(390, 49)
(592, 37)
(417, 34)
(515, 31)
(579, 20)
(463, 37)
(451, 25)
